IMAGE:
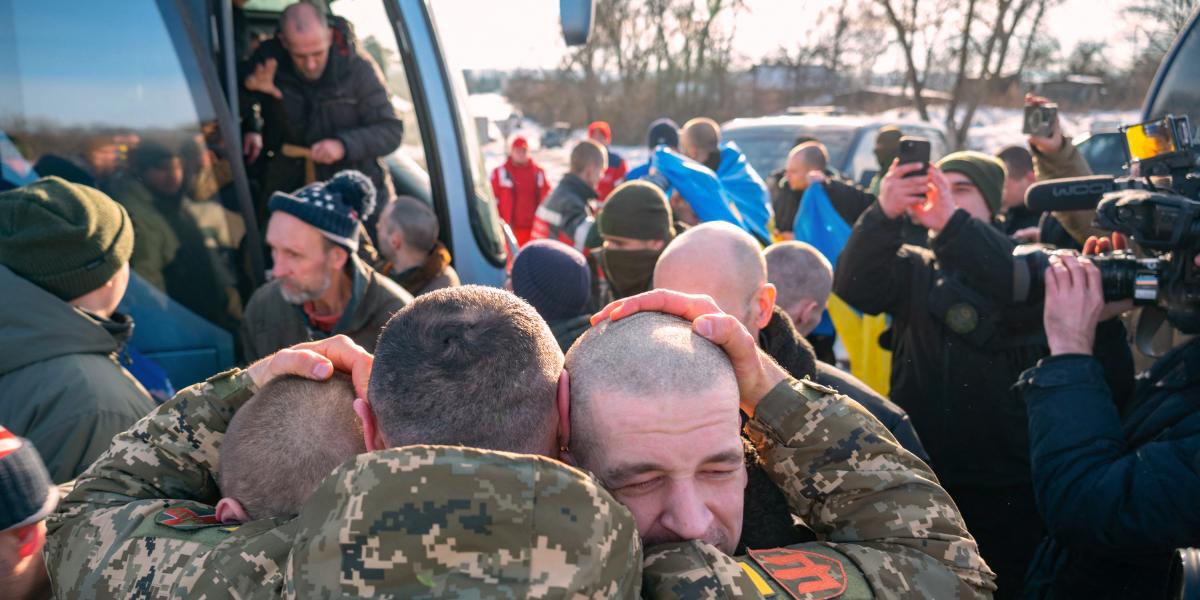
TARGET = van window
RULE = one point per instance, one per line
(1179, 95)
(106, 98)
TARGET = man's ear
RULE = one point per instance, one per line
(765, 301)
(229, 510)
(372, 437)
(563, 401)
(396, 241)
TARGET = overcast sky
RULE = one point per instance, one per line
(485, 34)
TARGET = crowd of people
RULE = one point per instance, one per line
(656, 405)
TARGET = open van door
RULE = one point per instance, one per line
(1176, 87)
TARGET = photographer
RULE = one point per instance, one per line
(1118, 489)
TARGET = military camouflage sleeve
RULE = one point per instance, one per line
(170, 453)
(693, 570)
(863, 494)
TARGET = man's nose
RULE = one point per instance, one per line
(688, 515)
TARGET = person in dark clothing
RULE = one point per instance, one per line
(1118, 489)
(803, 280)
(958, 345)
(724, 262)
(555, 279)
(1018, 221)
(408, 239)
(568, 213)
(635, 225)
(325, 106)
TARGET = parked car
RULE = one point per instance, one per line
(849, 139)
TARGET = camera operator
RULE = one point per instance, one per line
(1119, 490)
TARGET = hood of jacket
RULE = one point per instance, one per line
(450, 521)
(36, 326)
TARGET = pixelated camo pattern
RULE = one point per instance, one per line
(453, 522)
(693, 571)
(864, 495)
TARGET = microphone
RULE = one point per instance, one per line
(1072, 193)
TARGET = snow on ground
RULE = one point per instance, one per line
(991, 129)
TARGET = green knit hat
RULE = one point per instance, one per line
(637, 210)
(985, 171)
(67, 239)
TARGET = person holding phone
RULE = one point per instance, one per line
(955, 356)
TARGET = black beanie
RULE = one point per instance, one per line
(663, 132)
(26, 493)
(337, 207)
(637, 210)
(554, 278)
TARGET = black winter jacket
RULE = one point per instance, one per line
(1118, 491)
(350, 102)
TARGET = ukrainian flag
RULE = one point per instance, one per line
(818, 223)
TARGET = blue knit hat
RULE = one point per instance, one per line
(26, 492)
(336, 207)
(554, 278)
(663, 131)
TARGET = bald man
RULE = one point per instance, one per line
(806, 163)
(726, 263)
(324, 102)
(700, 140)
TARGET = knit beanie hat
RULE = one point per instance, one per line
(985, 171)
(663, 132)
(26, 493)
(553, 277)
(65, 238)
(336, 207)
(637, 210)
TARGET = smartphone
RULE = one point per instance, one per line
(915, 149)
(1039, 120)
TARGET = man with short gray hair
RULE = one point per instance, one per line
(325, 105)
(408, 239)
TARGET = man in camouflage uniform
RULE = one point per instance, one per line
(884, 527)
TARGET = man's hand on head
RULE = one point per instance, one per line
(262, 80)
(317, 361)
(327, 152)
(756, 372)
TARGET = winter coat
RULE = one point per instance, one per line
(271, 323)
(567, 214)
(784, 343)
(1118, 490)
(350, 103)
(955, 386)
(62, 385)
(434, 274)
(613, 176)
(519, 189)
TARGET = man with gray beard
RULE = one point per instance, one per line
(319, 287)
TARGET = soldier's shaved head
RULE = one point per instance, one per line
(812, 154)
(654, 414)
(719, 260)
(284, 441)
(701, 138)
(803, 278)
(472, 366)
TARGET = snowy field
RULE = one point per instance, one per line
(991, 130)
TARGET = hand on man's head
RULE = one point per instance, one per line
(756, 372)
(317, 361)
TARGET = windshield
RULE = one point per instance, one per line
(767, 147)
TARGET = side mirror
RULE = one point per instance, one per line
(576, 17)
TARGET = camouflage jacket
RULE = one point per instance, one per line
(886, 528)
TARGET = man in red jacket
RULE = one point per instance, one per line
(520, 186)
(614, 175)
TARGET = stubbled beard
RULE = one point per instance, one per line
(304, 295)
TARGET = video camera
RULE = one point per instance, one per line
(1158, 207)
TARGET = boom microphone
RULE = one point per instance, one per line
(1072, 193)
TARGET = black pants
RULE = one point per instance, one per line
(1005, 522)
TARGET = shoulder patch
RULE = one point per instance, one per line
(803, 575)
(187, 517)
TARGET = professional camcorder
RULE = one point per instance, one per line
(1158, 207)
